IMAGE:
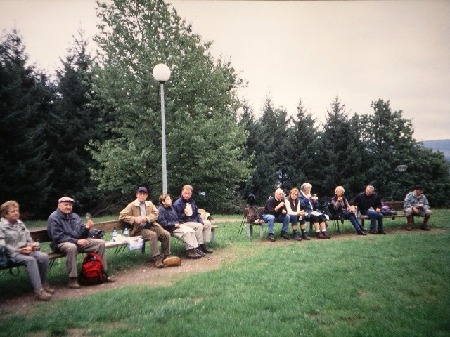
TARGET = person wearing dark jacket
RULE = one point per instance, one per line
(345, 211)
(189, 215)
(369, 204)
(275, 210)
(168, 219)
(70, 235)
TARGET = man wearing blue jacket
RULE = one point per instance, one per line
(70, 235)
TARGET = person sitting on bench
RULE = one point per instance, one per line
(416, 203)
(22, 250)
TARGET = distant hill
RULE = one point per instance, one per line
(442, 145)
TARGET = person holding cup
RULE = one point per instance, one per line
(22, 250)
(188, 214)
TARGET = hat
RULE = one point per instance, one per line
(65, 199)
(142, 189)
(418, 187)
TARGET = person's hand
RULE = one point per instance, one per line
(177, 225)
(89, 224)
(138, 220)
(301, 213)
(415, 210)
(82, 242)
(378, 209)
(283, 211)
(352, 209)
(26, 250)
(339, 199)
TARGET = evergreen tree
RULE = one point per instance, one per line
(25, 104)
(77, 122)
(305, 138)
(341, 155)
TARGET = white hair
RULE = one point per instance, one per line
(305, 186)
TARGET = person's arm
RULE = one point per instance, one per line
(407, 203)
(426, 204)
(179, 209)
(162, 217)
(127, 214)
(152, 213)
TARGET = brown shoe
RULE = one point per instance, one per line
(73, 283)
(158, 262)
(425, 228)
(48, 289)
(42, 295)
(408, 227)
(319, 235)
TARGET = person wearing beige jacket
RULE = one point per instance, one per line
(141, 215)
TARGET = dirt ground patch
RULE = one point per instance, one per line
(142, 274)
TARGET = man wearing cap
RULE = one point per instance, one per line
(416, 203)
(70, 235)
(141, 214)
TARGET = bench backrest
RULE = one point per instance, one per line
(41, 234)
(394, 205)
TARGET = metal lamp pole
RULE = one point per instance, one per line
(161, 73)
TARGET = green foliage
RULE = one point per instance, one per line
(25, 110)
(204, 143)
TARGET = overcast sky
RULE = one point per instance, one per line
(292, 50)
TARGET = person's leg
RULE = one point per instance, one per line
(323, 227)
(198, 228)
(187, 235)
(379, 218)
(372, 215)
(71, 251)
(152, 239)
(270, 219)
(302, 228)
(284, 219)
(354, 221)
(409, 218)
(163, 237)
(295, 233)
(32, 268)
(426, 216)
(206, 231)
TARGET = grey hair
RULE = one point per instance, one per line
(339, 188)
(305, 186)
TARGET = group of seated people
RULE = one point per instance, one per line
(70, 235)
(302, 206)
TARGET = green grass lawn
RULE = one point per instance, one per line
(380, 285)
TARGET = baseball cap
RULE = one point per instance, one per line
(142, 189)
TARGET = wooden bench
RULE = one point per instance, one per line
(40, 234)
(396, 206)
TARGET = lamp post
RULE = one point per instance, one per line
(161, 73)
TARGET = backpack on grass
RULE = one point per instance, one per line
(92, 271)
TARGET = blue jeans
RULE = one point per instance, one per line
(352, 217)
(374, 216)
(270, 219)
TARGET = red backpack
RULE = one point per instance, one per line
(92, 270)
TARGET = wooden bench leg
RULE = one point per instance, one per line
(212, 234)
(249, 230)
(261, 231)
